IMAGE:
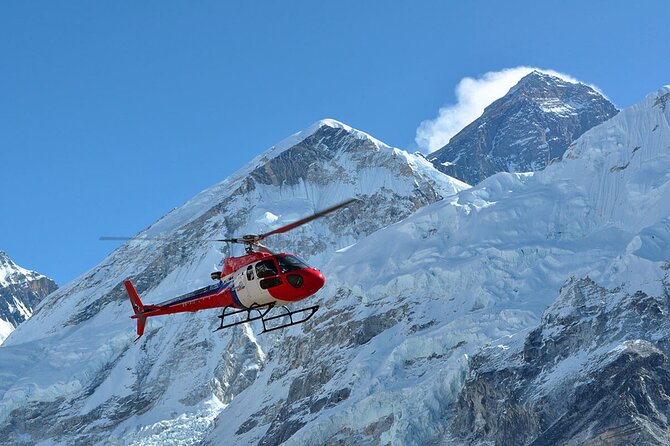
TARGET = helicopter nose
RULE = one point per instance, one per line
(314, 280)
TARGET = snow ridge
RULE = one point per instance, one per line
(419, 298)
(13, 274)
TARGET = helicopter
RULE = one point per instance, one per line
(258, 285)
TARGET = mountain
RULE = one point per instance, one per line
(408, 306)
(20, 291)
(533, 124)
(417, 287)
(73, 374)
(595, 370)
(389, 360)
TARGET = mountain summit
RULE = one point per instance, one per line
(523, 131)
(20, 291)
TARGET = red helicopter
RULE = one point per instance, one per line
(255, 283)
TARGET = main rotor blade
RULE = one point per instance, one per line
(307, 219)
(152, 239)
(247, 239)
(115, 238)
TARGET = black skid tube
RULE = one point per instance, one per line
(262, 311)
(290, 315)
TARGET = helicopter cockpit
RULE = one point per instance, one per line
(271, 270)
(268, 267)
(290, 263)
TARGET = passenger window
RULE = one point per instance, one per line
(266, 268)
(250, 272)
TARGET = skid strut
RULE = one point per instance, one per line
(261, 311)
(289, 314)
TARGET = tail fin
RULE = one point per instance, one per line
(137, 307)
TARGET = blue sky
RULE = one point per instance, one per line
(114, 112)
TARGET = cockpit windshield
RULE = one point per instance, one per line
(290, 263)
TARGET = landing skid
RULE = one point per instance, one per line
(263, 311)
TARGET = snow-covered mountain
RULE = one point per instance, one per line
(421, 286)
(20, 291)
(75, 364)
(533, 124)
(409, 305)
(595, 368)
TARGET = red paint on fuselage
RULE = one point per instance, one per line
(222, 298)
(238, 282)
(313, 281)
(232, 264)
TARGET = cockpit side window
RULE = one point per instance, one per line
(290, 263)
(266, 268)
(250, 272)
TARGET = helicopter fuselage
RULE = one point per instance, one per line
(257, 282)
(260, 279)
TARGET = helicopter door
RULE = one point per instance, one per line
(251, 292)
(241, 287)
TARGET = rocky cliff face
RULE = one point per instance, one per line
(533, 124)
(20, 291)
(595, 371)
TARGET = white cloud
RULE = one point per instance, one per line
(472, 96)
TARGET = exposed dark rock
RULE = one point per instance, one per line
(594, 372)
